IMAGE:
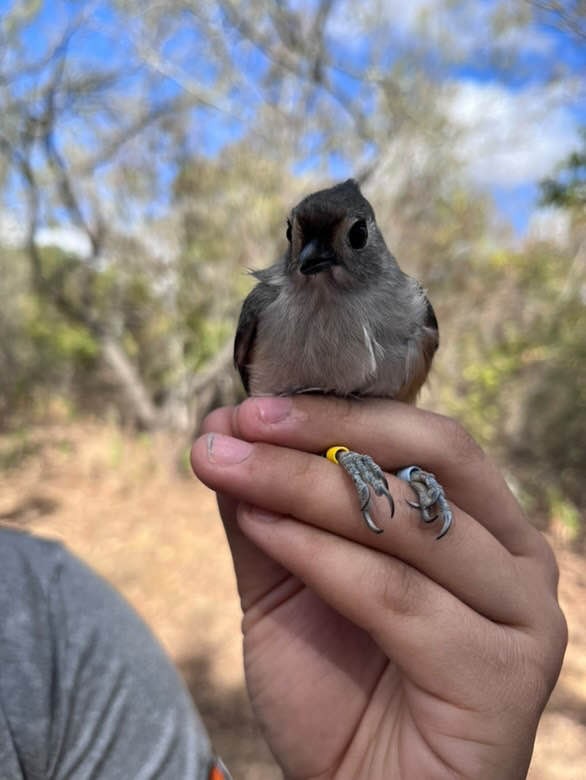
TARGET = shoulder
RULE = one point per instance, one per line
(27, 563)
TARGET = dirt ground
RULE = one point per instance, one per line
(154, 532)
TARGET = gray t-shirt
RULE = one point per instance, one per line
(85, 690)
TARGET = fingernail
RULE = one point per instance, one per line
(273, 409)
(226, 450)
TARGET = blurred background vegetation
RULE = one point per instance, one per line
(149, 153)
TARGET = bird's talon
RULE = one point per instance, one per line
(432, 497)
(446, 526)
(369, 478)
(370, 524)
(366, 476)
(384, 491)
(430, 494)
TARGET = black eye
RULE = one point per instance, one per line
(288, 233)
(358, 234)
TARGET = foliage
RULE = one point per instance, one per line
(122, 150)
(231, 212)
(40, 349)
(174, 160)
(568, 189)
(522, 390)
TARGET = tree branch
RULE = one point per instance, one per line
(571, 20)
(293, 52)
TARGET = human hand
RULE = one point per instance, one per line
(391, 655)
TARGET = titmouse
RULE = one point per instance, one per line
(336, 315)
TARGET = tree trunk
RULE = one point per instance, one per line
(146, 413)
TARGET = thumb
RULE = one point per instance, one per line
(256, 572)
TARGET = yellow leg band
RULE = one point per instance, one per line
(332, 453)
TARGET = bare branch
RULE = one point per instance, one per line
(292, 55)
(121, 137)
(569, 17)
(21, 162)
(55, 52)
(317, 44)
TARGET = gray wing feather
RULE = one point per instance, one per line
(254, 304)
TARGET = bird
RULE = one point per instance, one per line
(336, 315)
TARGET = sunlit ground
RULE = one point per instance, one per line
(122, 505)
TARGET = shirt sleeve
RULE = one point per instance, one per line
(85, 689)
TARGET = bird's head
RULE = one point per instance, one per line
(334, 231)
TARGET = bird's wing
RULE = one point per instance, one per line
(420, 355)
(255, 303)
(430, 333)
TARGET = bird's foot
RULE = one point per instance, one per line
(366, 475)
(432, 501)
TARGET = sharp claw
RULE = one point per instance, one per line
(364, 495)
(367, 478)
(446, 526)
(380, 491)
(371, 525)
(430, 493)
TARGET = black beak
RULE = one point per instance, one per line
(314, 257)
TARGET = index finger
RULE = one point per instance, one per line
(397, 435)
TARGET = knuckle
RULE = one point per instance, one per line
(552, 646)
(549, 638)
(542, 560)
(561, 632)
(399, 589)
(454, 437)
(546, 555)
(556, 625)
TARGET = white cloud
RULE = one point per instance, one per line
(463, 28)
(505, 137)
(12, 233)
(510, 138)
(68, 239)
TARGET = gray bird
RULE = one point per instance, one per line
(336, 315)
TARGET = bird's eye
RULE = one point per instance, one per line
(288, 233)
(358, 234)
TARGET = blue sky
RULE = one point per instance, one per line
(518, 119)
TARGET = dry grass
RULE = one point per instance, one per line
(117, 503)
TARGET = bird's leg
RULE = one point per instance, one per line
(432, 501)
(365, 474)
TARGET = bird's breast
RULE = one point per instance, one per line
(329, 348)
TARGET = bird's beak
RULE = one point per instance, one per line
(314, 257)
